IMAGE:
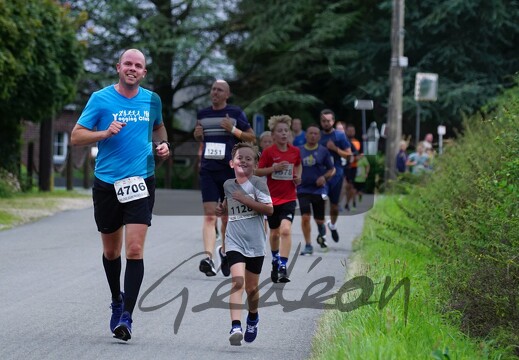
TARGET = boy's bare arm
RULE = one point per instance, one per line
(266, 209)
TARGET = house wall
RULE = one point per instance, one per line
(185, 153)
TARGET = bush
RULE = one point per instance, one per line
(9, 184)
(376, 173)
(467, 211)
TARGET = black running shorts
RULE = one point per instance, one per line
(283, 211)
(312, 202)
(211, 184)
(252, 264)
(110, 214)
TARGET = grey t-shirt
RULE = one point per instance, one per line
(245, 231)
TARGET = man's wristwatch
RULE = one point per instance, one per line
(167, 143)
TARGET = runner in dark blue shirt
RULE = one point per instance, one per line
(219, 127)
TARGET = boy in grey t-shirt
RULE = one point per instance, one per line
(247, 200)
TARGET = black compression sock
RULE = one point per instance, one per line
(113, 275)
(132, 282)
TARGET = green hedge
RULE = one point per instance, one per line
(468, 212)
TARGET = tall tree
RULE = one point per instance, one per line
(339, 50)
(284, 54)
(182, 40)
(40, 60)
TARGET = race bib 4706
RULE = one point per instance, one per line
(130, 189)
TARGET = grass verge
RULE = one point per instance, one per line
(22, 208)
(380, 329)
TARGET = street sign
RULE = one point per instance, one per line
(442, 130)
(363, 104)
(258, 124)
(426, 87)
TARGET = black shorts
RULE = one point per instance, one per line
(350, 173)
(252, 264)
(211, 184)
(283, 211)
(309, 202)
(359, 186)
(110, 214)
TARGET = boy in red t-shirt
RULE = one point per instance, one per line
(281, 164)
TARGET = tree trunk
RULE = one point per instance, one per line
(46, 163)
(10, 145)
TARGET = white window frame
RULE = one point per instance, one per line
(61, 145)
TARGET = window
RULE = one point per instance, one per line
(60, 147)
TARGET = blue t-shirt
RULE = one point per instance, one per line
(401, 160)
(340, 140)
(210, 120)
(130, 152)
(316, 163)
(300, 139)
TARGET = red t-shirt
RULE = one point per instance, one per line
(281, 185)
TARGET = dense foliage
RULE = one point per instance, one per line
(40, 61)
(181, 40)
(468, 212)
(328, 53)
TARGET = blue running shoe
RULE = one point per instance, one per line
(123, 330)
(117, 310)
(252, 330)
(308, 250)
(236, 336)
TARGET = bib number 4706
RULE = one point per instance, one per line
(130, 189)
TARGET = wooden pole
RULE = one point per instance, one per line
(394, 127)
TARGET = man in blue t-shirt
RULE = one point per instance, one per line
(298, 134)
(219, 127)
(339, 147)
(126, 122)
(311, 193)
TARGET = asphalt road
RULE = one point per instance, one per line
(55, 300)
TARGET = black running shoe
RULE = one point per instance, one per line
(322, 242)
(207, 267)
(335, 234)
(282, 274)
(274, 272)
(224, 262)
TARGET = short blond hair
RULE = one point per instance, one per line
(278, 119)
(265, 133)
(248, 145)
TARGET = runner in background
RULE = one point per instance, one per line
(281, 163)
(339, 147)
(219, 127)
